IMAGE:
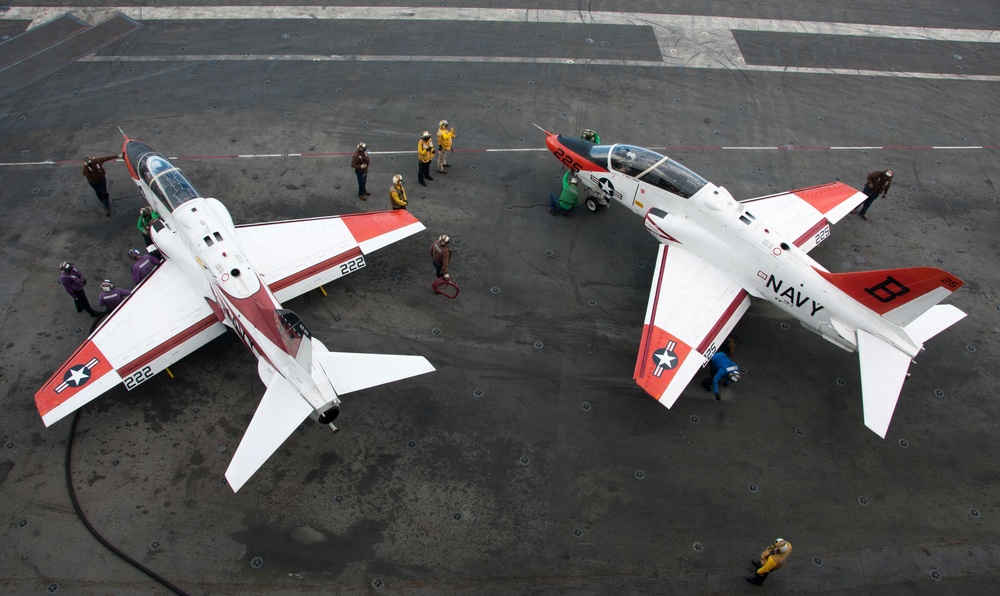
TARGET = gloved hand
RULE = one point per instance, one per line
(718, 397)
(446, 276)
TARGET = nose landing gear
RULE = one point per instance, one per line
(595, 203)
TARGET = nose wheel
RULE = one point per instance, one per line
(594, 204)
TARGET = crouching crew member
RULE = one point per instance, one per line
(722, 369)
(441, 255)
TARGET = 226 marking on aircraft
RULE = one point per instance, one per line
(716, 253)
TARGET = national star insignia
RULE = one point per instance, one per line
(665, 359)
(77, 376)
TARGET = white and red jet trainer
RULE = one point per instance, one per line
(216, 276)
(715, 253)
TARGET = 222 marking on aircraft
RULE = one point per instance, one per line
(217, 275)
(715, 253)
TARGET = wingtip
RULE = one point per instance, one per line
(234, 481)
(879, 429)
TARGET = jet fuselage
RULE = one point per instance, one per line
(198, 235)
(682, 209)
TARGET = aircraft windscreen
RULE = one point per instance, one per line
(658, 170)
(166, 181)
(599, 153)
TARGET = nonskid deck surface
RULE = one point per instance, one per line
(529, 461)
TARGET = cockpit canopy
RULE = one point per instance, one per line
(161, 176)
(653, 168)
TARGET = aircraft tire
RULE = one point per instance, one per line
(592, 205)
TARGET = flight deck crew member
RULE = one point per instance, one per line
(877, 182)
(360, 162)
(723, 369)
(445, 135)
(142, 264)
(590, 135)
(771, 559)
(425, 153)
(397, 194)
(93, 170)
(73, 281)
(566, 200)
(441, 255)
(110, 296)
(146, 217)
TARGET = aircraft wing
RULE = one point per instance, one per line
(692, 307)
(157, 325)
(805, 215)
(299, 255)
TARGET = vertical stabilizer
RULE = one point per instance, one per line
(883, 370)
(899, 295)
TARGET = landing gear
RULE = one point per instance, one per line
(595, 203)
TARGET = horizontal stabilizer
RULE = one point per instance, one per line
(932, 322)
(883, 370)
(352, 372)
(281, 411)
(898, 295)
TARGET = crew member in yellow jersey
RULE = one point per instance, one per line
(425, 153)
(397, 194)
(772, 558)
(445, 135)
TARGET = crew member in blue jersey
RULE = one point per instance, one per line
(722, 369)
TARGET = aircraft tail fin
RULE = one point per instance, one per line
(883, 370)
(899, 295)
(352, 372)
(281, 411)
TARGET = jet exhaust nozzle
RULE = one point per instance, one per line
(329, 415)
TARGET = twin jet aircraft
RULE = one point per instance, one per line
(715, 253)
(217, 276)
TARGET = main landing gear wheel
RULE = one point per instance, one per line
(592, 204)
